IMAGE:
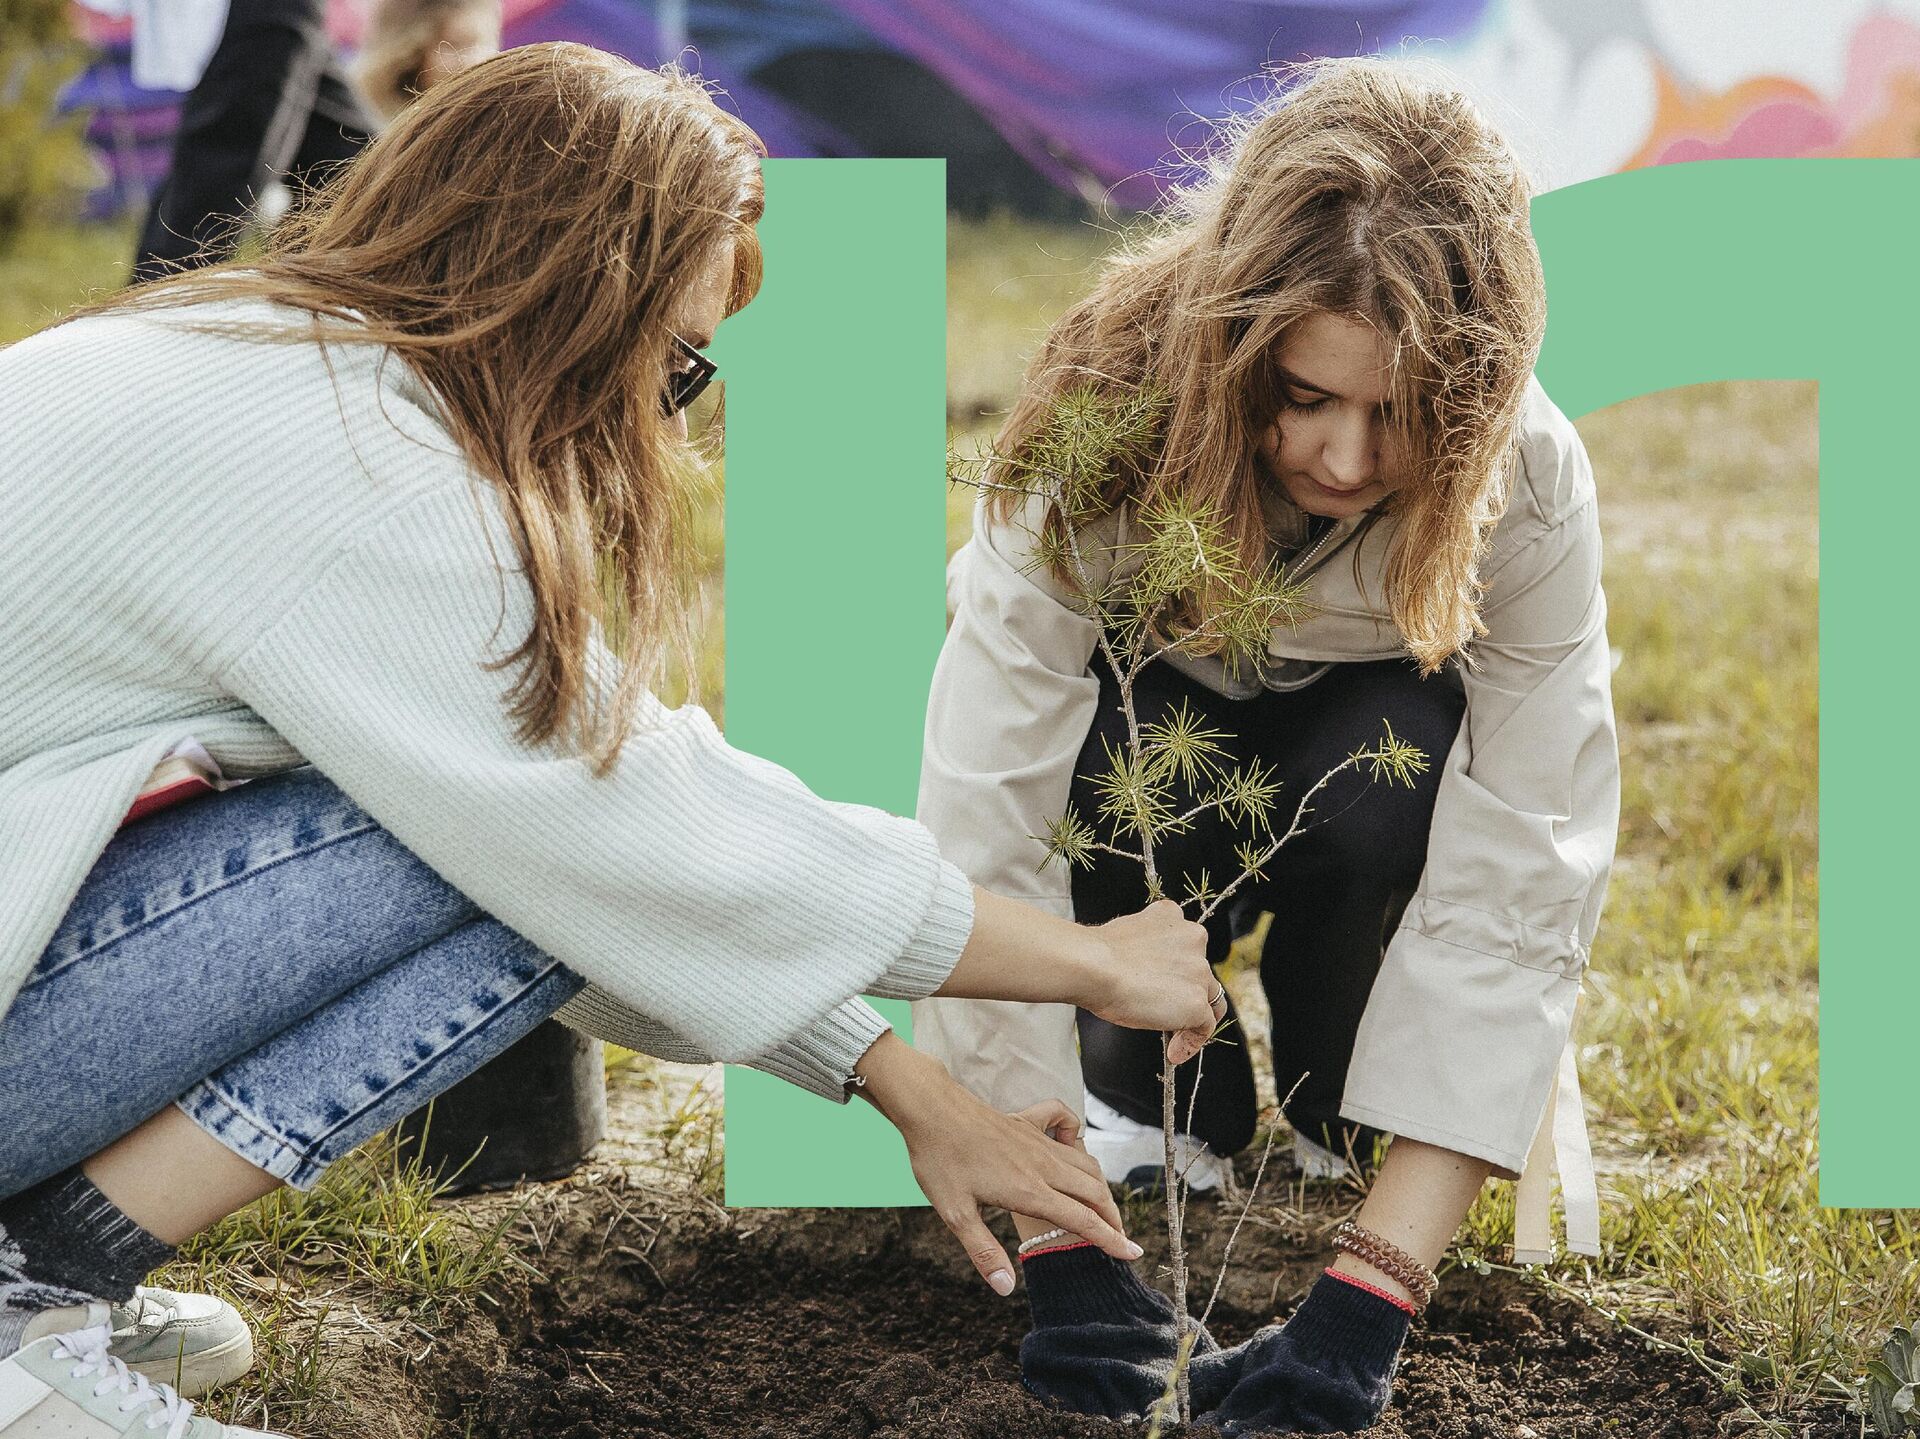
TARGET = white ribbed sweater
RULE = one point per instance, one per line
(278, 550)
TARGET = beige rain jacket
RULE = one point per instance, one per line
(1465, 1042)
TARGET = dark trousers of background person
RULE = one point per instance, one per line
(273, 102)
(886, 104)
(1336, 891)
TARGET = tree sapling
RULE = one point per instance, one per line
(1170, 579)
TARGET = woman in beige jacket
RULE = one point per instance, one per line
(1345, 317)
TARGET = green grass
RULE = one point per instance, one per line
(1007, 280)
(375, 1215)
(49, 271)
(377, 1222)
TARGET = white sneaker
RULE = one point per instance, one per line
(68, 1385)
(194, 1342)
(1132, 1154)
(1316, 1161)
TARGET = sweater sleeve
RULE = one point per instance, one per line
(705, 889)
(819, 1060)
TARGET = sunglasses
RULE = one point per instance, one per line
(686, 384)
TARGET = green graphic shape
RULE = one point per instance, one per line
(1676, 275)
(836, 547)
(1794, 269)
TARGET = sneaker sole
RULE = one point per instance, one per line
(1149, 1181)
(194, 1374)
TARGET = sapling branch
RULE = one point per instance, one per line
(1179, 584)
(1393, 758)
(1220, 1275)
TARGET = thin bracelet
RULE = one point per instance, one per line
(1039, 1239)
(1388, 1257)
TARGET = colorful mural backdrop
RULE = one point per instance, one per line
(1105, 97)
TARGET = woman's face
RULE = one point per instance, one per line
(1324, 448)
(701, 308)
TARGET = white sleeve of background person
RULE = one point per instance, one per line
(1010, 705)
(1461, 1040)
(173, 41)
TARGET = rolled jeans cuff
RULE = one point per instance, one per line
(294, 1133)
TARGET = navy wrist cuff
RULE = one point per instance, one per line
(1338, 1320)
(1084, 1285)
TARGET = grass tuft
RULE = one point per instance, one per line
(373, 1216)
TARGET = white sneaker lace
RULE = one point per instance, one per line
(89, 1348)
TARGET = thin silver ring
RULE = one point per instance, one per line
(1220, 996)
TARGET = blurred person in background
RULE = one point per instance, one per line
(412, 45)
(271, 112)
(273, 104)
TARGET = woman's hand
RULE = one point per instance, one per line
(1154, 975)
(1143, 971)
(966, 1154)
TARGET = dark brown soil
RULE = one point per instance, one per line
(866, 1324)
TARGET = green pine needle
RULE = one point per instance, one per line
(1071, 839)
(1197, 890)
(1184, 745)
(1394, 758)
(1135, 795)
(1247, 793)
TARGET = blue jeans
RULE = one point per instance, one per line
(276, 964)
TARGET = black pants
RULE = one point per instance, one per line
(1336, 891)
(886, 104)
(273, 102)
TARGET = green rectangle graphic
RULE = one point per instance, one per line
(835, 551)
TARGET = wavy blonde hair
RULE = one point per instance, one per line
(1365, 190)
(520, 237)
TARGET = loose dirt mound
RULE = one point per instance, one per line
(842, 1323)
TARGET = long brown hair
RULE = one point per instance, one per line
(519, 236)
(1365, 191)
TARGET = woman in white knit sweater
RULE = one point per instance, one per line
(302, 514)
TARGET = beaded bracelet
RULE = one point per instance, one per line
(1027, 1246)
(1388, 1258)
